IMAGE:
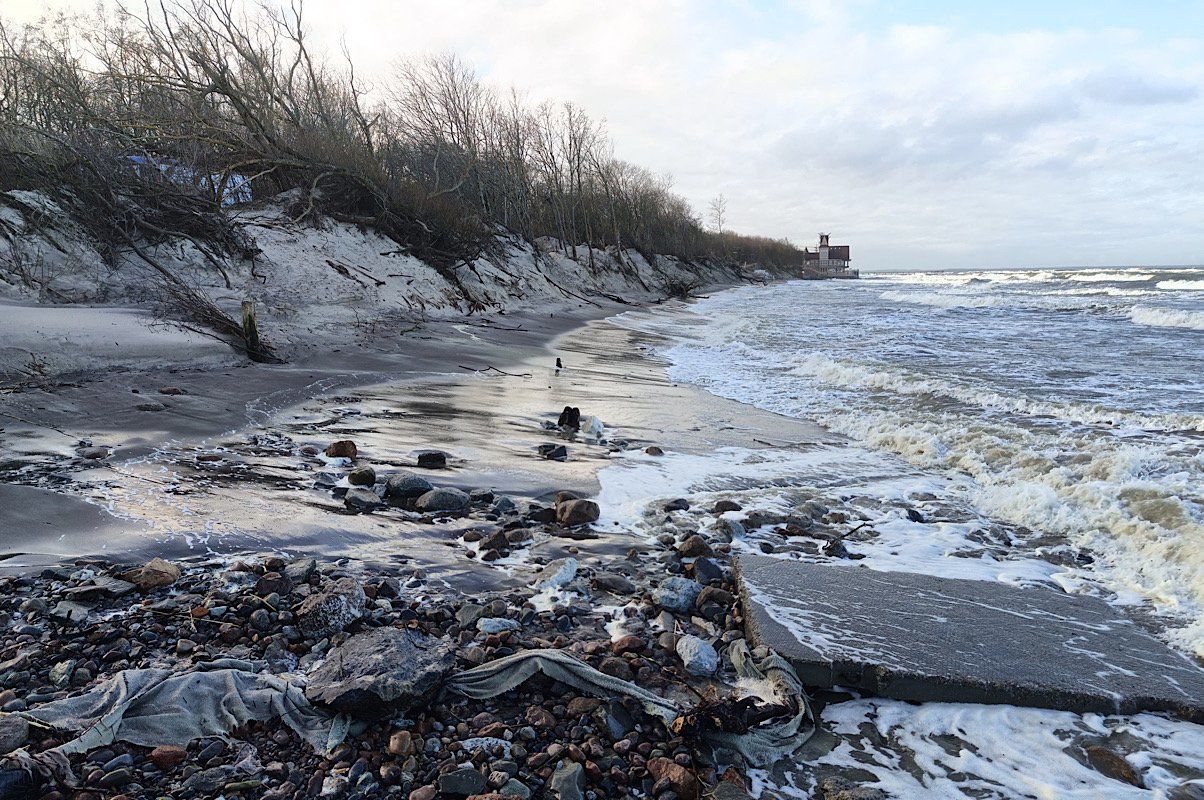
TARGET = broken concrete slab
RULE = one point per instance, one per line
(918, 637)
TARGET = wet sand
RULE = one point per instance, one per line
(153, 496)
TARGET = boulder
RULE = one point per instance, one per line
(14, 732)
(614, 583)
(677, 594)
(461, 782)
(382, 673)
(155, 574)
(697, 655)
(443, 499)
(693, 547)
(326, 613)
(273, 583)
(684, 782)
(577, 512)
(344, 448)
(680, 504)
(553, 452)
(362, 500)
(724, 506)
(432, 459)
(570, 418)
(568, 782)
(406, 485)
(301, 570)
(362, 476)
(557, 573)
(71, 612)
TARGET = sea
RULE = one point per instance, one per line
(1047, 425)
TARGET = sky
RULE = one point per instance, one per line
(922, 133)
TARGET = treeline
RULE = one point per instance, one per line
(150, 122)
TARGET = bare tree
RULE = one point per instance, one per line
(717, 211)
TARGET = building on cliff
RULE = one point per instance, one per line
(827, 261)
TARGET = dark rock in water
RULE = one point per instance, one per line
(432, 459)
(541, 514)
(443, 499)
(653, 450)
(914, 516)
(461, 782)
(326, 613)
(837, 788)
(344, 448)
(568, 782)
(152, 407)
(406, 485)
(554, 452)
(382, 673)
(362, 476)
(964, 641)
(361, 499)
(1113, 764)
(325, 480)
(677, 594)
(723, 506)
(570, 418)
(577, 512)
(680, 504)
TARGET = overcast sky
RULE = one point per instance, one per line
(940, 134)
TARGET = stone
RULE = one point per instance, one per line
(553, 452)
(326, 613)
(424, 793)
(693, 547)
(14, 733)
(952, 640)
(614, 583)
(680, 504)
(444, 499)
(382, 673)
(706, 570)
(697, 655)
(653, 450)
(167, 757)
(468, 614)
(432, 459)
(677, 594)
(273, 583)
(489, 625)
(684, 782)
(208, 782)
(362, 476)
(1111, 763)
(344, 448)
(515, 788)
(401, 743)
(362, 500)
(94, 453)
(557, 573)
(568, 782)
(301, 570)
(570, 417)
(152, 407)
(155, 574)
(406, 486)
(172, 391)
(71, 612)
(60, 673)
(577, 512)
(461, 782)
(724, 506)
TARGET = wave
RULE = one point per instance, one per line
(1109, 276)
(1190, 286)
(1167, 317)
(943, 300)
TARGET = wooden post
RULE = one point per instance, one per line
(250, 331)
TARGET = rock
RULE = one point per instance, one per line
(168, 756)
(713, 594)
(570, 417)
(837, 788)
(208, 782)
(727, 529)
(344, 448)
(432, 459)
(461, 782)
(14, 732)
(680, 504)
(706, 570)
(362, 476)
(301, 570)
(424, 793)
(382, 672)
(684, 782)
(515, 788)
(155, 574)
(60, 673)
(489, 625)
(654, 451)
(724, 506)
(556, 573)
(629, 643)
(697, 655)
(677, 594)
(693, 547)
(326, 613)
(401, 743)
(406, 485)
(444, 499)
(553, 452)
(616, 668)
(94, 453)
(577, 512)
(568, 782)
(152, 407)
(614, 583)
(468, 614)
(71, 612)
(362, 500)
(273, 583)
(172, 391)
(1114, 765)
(729, 791)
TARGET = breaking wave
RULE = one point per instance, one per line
(1168, 317)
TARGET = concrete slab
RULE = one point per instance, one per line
(916, 637)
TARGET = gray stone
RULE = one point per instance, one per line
(208, 781)
(14, 732)
(468, 614)
(515, 788)
(577, 512)
(496, 625)
(568, 782)
(697, 655)
(382, 673)
(60, 673)
(326, 613)
(362, 476)
(71, 612)
(301, 570)
(462, 782)
(360, 499)
(922, 638)
(614, 583)
(677, 594)
(444, 499)
(406, 485)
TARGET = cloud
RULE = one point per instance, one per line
(1127, 89)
